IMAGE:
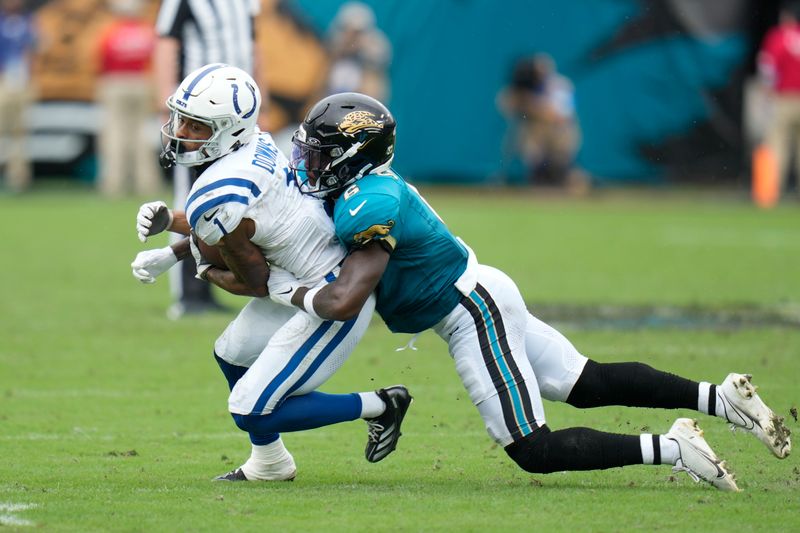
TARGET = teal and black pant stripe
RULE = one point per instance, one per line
(506, 377)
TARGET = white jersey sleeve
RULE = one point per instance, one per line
(217, 205)
(218, 222)
(293, 231)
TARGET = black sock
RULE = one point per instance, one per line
(632, 385)
(574, 449)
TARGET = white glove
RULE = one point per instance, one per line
(282, 285)
(202, 264)
(150, 264)
(152, 219)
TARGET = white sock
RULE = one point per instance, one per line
(709, 399)
(371, 404)
(670, 451)
(267, 461)
(658, 450)
(703, 393)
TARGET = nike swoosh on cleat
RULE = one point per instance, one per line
(745, 418)
(355, 211)
(742, 416)
(208, 218)
(720, 472)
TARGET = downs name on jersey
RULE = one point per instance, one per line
(291, 229)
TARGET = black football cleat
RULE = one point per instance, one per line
(384, 430)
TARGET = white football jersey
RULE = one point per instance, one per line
(292, 229)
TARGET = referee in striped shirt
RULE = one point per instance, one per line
(193, 33)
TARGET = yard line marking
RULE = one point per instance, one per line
(8, 519)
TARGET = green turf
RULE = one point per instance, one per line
(112, 418)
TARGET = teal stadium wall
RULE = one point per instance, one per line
(658, 91)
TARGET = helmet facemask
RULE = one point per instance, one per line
(323, 169)
(320, 168)
(209, 149)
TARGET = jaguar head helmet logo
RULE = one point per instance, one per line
(359, 121)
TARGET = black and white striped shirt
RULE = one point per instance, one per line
(210, 31)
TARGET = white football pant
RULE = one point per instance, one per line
(490, 334)
(287, 351)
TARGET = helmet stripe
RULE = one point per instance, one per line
(188, 92)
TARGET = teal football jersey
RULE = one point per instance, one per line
(417, 290)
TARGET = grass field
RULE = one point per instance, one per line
(113, 418)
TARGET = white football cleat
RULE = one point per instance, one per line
(697, 458)
(283, 470)
(745, 409)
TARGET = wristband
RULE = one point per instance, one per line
(308, 301)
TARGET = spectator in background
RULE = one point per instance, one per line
(125, 94)
(193, 33)
(17, 39)
(779, 70)
(543, 130)
(359, 53)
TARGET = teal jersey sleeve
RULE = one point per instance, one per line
(369, 211)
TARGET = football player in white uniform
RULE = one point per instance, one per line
(245, 202)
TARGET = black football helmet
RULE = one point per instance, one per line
(343, 137)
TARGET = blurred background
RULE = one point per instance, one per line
(579, 95)
(613, 157)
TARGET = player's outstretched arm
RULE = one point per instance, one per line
(343, 298)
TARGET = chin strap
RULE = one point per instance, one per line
(167, 156)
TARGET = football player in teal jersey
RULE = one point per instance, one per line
(426, 278)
